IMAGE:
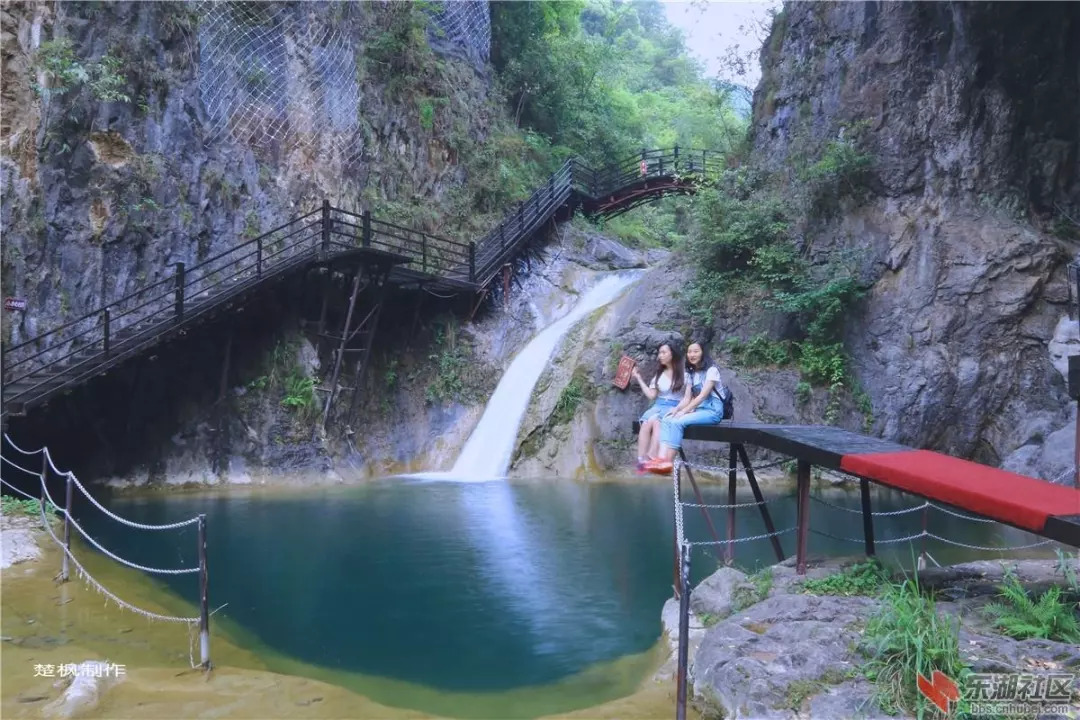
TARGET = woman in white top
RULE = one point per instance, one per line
(702, 404)
(665, 389)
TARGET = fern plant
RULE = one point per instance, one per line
(1051, 617)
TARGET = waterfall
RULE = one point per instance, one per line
(486, 455)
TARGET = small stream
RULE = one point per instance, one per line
(499, 599)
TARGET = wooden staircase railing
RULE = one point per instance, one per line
(99, 339)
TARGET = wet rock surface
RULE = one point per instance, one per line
(18, 540)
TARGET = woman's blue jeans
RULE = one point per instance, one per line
(658, 409)
(710, 412)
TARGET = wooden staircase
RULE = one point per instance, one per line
(61, 359)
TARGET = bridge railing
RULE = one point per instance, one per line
(652, 164)
(121, 327)
(428, 254)
(502, 242)
(118, 328)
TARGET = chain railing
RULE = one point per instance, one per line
(684, 545)
(71, 484)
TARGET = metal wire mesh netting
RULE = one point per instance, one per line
(281, 72)
(466, 25)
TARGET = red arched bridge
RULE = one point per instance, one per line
(359, 243)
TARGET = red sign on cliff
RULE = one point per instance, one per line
(14, 303)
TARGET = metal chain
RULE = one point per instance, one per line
(123, 521)
(84, 491)
(959, 515)
(718, 470)
(20, 467)
(925, 533)
(19, 491)
(117, 558)
(739, 540)
(725, 507)
(877, 514)
(834, 537)
(877, 541)
(675, 475)
(888, 541)
(86, 576)
(991, 549)
(19, 449)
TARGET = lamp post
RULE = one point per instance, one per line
(1074, 360)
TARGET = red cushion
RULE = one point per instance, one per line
(1008, 497)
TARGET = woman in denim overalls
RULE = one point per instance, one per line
(701, 405)
(665, 389)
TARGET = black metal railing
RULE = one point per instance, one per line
(89, 344)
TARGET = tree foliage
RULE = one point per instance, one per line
(607, 78)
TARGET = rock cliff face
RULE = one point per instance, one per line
(133, 161)
(971, 114)
(138, 135)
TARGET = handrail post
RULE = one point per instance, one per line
(105, 331)
(867, 517)
(179, 291)
(803, 512)
(676, 165)
(551, 189)
(472, 262)
(326, 224)
(684, 632)
(204, 606)
(502, 237)
(423, 252)
(67, 529)
(521, 218)
(365, 221)
(258, 257)
(44, 479)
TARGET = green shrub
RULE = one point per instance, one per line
(12, 506)
(569, 401)
(1050, 617)
(906, 638)
(65, 72)
(427, 113)
(299, 392)
(866, 578)
(824, 365)
(447, 383)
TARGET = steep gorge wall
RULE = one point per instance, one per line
(100, 197)
(971, 112)
(234, 118)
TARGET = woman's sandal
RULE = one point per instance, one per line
(659, 467)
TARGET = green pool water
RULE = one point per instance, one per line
(494, 599)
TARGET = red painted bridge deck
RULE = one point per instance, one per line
(1040, 507)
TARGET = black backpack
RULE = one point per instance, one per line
(729, 403)
(728, 399)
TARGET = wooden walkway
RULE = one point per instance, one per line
(61, 359)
